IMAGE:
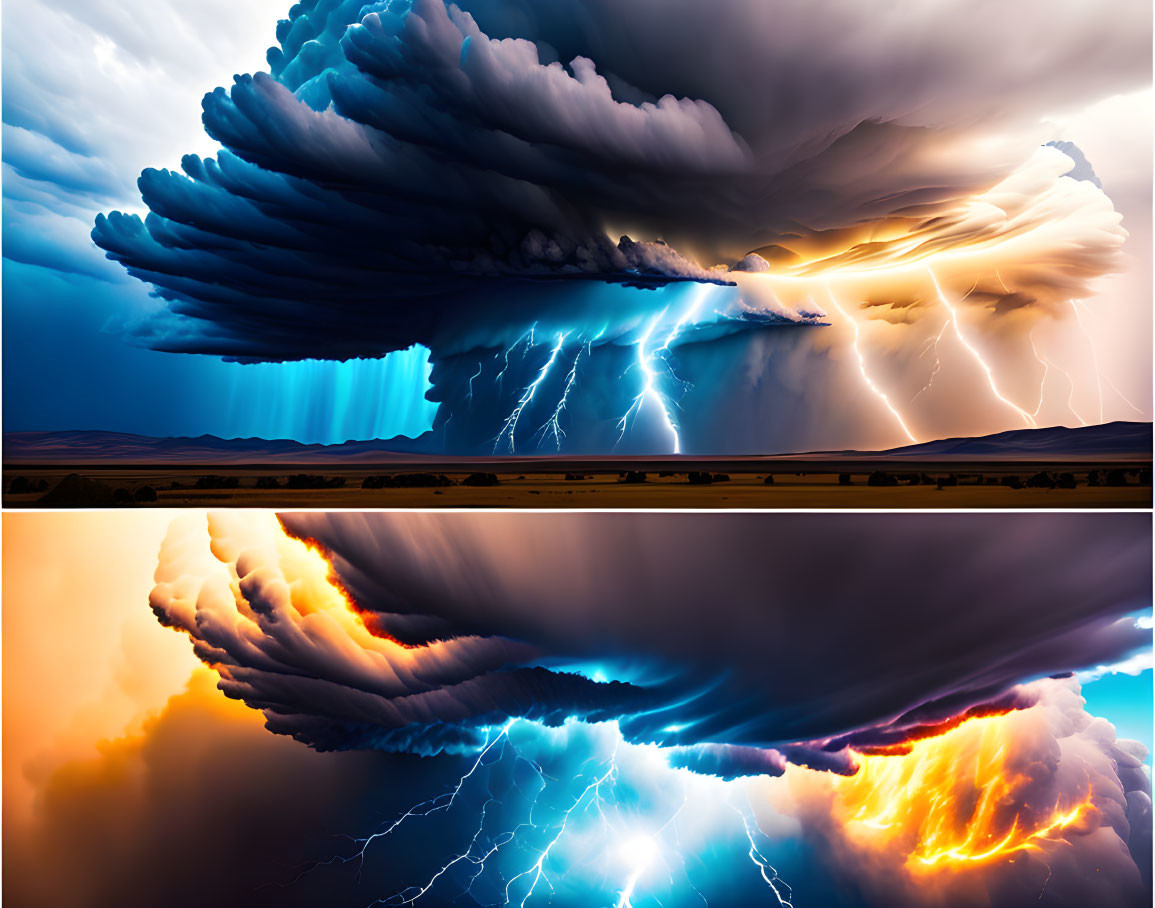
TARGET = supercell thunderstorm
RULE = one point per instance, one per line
(645, 714)
(607, 222)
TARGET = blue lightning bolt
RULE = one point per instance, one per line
(509, 427)
(552, 425)
(647, 385)
(650, 375)
(548, 843)
(443, 801)
(769, 874)
(469, 395)
(644, 849)
(538, 867)
(528, 338)
(413, 893)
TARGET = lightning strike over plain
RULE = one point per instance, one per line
(552, 425)
(509, 427)
(646, 358)
(978, 358)
(867, 380)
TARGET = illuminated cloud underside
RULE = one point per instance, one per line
(415, 633)
(405, 139)
(456, 177)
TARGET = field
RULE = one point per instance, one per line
(593, 484)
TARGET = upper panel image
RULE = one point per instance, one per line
(586, 254)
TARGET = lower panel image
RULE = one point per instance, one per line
(576, 709)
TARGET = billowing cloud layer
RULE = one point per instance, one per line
(405, 166)
(894, 693)
(1049, 786)
(731, 630)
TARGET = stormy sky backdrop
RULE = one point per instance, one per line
(944, 225)
(131, 772)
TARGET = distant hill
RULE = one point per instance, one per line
(89, 446)
(1113, 439)
(1117, 440)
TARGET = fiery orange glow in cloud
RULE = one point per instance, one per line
(246, 578)
(321, 559)
(1036, 237)
(955, 815)
(954, 800)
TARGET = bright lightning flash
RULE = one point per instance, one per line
(585, 824)
(509, 427)
(867, 380)
(978, 358)
(552, 425)
(647, 362)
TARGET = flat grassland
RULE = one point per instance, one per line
(600, 484)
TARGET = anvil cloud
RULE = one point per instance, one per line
(448, 174)
(687, 630)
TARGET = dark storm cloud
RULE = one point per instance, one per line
(804, 634)
(403, 164)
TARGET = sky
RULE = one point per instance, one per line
(569, 131)
(133, 755)
(106, 90)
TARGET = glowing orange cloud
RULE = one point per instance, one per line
(239, 583)
(960, 798)
(1038, 234)
(953, 799)
(983, 269)
(322, 560)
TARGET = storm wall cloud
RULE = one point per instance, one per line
(686, 629)
(401, 162)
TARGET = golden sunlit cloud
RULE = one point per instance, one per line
(931, 816)
(953, 799)
(1038, 237)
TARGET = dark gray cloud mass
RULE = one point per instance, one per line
(799, 635)
(403, 165)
